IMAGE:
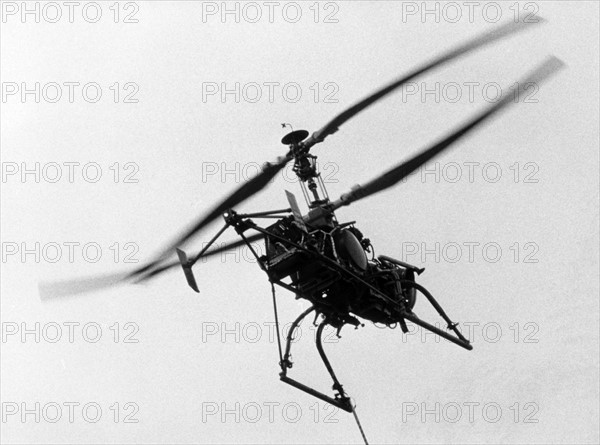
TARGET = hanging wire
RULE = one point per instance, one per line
(277, 324)
(362, 433)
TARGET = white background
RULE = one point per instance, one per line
(174, 373)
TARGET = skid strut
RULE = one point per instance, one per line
(459, 340)
(341, 400)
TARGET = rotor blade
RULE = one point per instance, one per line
(243, 192)
(165, 267)
(65, 288)
(478, 42)
(76, 286)
(392, 177)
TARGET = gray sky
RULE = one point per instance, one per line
(506, 223)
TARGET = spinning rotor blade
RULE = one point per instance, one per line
(66, 288)
(392, 177)
(243, 192)
(478, 42)
(248, 189)
(77, 286)
(165, 267)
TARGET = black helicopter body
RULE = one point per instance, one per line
(327, 263)
(336, 276)
(328, 266)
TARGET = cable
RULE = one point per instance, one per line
(277, 324)
(362, 433)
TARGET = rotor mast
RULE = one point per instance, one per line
(306, 169)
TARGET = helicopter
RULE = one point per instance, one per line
(330, 264)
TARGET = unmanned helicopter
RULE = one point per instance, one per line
(329, 263)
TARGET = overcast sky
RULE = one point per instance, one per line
(122, 122)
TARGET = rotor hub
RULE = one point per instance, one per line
(295, 137)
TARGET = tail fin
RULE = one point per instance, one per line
(187, 269)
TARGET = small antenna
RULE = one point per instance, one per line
(283, 125)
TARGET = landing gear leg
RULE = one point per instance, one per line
(341, 400)
(459, 339)
(340, 396)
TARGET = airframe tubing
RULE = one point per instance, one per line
(332, 263)
(344, 399)
(264, 214)
(290, 337)
(210, 243)
(416, 320)
(460, 340)
(315, 393)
